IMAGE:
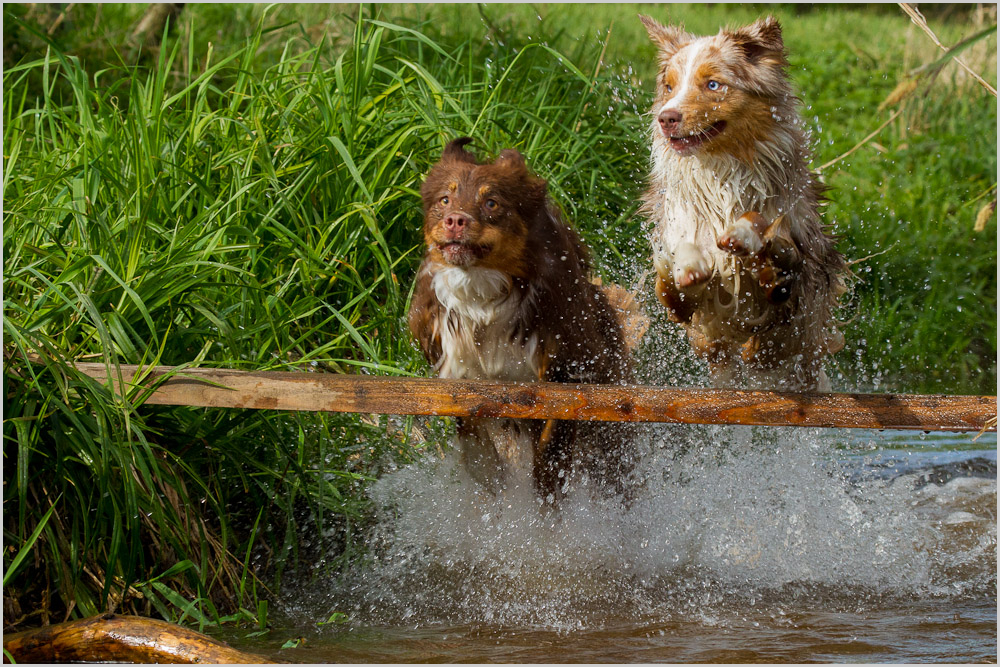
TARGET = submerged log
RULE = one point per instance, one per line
(111, 638)
(331, 392)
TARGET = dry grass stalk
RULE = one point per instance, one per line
(921, 22)
(149, 30)
(988, 426)
(985, 213)
(59, 19)
(861, 143)
(898, 94)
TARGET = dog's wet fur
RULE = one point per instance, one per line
(743, 260)
(504, 292)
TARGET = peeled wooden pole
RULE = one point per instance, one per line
(331, 392)
(110, 638)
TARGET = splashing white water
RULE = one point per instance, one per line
(724, 515)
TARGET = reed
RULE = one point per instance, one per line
(236, 216)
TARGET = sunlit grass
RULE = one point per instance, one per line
(242, 217)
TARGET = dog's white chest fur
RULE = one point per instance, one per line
(701, 196)
(698, 198)
(477, 330)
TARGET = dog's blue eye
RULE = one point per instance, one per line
(670, 88)
(714, 85)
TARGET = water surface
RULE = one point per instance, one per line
(742, 545)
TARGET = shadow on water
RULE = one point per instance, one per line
(743, 544)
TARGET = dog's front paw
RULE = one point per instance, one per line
(690, 276)
(745, 237)
(691, 267)
(781, 248)
(680, 304)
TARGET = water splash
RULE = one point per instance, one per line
(726, 518)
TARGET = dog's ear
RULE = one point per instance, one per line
(455, 150)
(669, 39)
(511, 160)
(533, 188)
(759, 39)
(530, 191)
(563, 242)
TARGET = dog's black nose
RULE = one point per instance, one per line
(669, 119)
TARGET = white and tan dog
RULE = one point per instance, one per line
(742, 258)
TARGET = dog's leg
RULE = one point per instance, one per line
(680, 304)
(745, 237)
(725, 374)
(781, 250)
(834, 340)
(779, 263)
(552, 444)
(691, 268)
(714, 351)
(631, 319)
(553, 458)
(788, 357)
(479, 454)
(777, 283)
(749, 349)
(680, 307)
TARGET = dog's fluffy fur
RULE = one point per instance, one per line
(504, 293)
(741, 255)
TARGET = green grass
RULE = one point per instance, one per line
(248, 197)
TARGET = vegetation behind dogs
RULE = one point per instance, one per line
(246, 197)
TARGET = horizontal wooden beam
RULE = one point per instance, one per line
(330, 392)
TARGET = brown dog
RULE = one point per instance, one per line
(741, 255)
(504, 293)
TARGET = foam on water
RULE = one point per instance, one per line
(724, 515)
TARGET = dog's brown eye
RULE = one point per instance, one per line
(444, 201)
(491, 203)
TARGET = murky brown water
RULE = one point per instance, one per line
(917, 632)
(760, 547)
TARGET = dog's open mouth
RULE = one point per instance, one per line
(693, 141)
(461, 253)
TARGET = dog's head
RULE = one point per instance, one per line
(719, 94)
(481, 214)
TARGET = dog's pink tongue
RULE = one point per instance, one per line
(691, 142)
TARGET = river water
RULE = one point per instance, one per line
(743, 544)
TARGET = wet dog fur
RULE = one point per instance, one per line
(742, 258)
(504, 292)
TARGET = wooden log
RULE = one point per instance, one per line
(331, 392)
(111, 638)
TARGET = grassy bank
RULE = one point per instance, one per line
(247, 197)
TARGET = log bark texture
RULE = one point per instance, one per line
(111, 638)
(331, 392)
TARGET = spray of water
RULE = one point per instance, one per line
(724, 518)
